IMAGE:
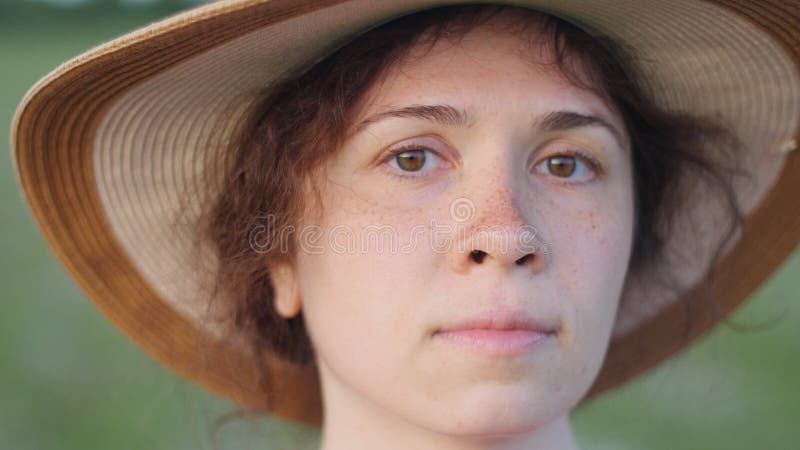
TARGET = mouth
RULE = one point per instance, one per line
(499, 333)
(496, 342)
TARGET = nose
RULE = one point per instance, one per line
(497, 234)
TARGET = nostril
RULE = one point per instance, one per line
(522, 260)
(478, 255)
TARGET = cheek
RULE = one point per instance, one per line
(361, 291)
(591, 250)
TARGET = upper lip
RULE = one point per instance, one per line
(502, 319)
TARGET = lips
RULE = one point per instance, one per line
(503, 320)
(498, 333)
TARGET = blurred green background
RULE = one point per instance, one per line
(69, 380)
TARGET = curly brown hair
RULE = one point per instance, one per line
(298, 122)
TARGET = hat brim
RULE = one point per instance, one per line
(107, 145)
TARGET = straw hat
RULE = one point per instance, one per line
(106, 145)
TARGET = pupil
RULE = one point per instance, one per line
(411, 160)
(561, 166)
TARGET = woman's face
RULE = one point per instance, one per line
(379, 284)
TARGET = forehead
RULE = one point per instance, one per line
(496, 62)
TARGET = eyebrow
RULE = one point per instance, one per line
(450, 116)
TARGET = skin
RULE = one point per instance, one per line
(388, 380)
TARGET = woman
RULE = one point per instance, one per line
(532, 204)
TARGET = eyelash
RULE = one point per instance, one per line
(403, 175)
(583, 156)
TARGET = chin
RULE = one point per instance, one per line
(493, 428)
(496, 418)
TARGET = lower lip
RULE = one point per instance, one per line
(496, 342)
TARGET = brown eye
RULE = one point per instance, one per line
(411, 161)
(561, 166)
(570, 166)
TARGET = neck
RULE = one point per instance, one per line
(352, 422)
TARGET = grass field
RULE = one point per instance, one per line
(69, 380)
